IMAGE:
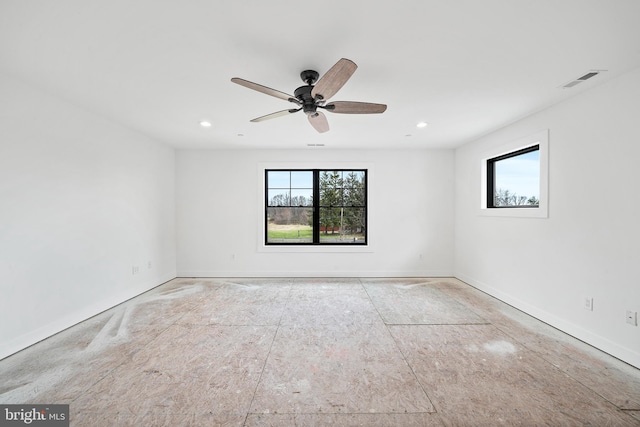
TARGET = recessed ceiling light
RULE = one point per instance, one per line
(205, 124)
(422, 125)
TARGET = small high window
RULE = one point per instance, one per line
(315, 207)
(513, 179)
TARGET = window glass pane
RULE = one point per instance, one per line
(331, 188)
(354, 190)
(342, 225)
(302, 179)
(289, 225)
(359, 175)
(279, 197)
(330, 179)
(331, 197)
(517, 180)
(279, 179)
(302, 197)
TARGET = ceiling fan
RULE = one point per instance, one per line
(309, 98)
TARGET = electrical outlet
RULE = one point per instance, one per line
(632, 317)
(588, 303)
(135, 270)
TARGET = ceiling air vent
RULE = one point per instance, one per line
(587, 76)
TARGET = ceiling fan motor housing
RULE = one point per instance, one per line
(303, 94)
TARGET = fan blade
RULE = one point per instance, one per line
(276, 114)
(334, 79)
(319, 122)
(264, 89)
(350, 107)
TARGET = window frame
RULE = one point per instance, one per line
(491, 177)
(540, 138)
(316, 207)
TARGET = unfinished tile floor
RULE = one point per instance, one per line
(319, 352)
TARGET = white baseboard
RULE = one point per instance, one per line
(614, 349)
(322, 273)
(23, 341)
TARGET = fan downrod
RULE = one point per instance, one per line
(309, 76)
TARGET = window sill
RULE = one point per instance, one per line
(539, 212)
(303, 249)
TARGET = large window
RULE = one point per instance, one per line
(513, 179)
(315, 207)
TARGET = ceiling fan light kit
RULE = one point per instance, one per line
(310, 97)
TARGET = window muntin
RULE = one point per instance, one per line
(316, 206)
(513, 179)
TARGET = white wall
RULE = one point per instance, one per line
(589, 246)
(220, 215)
(82, 201)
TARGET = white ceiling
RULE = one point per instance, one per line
(467, 67)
